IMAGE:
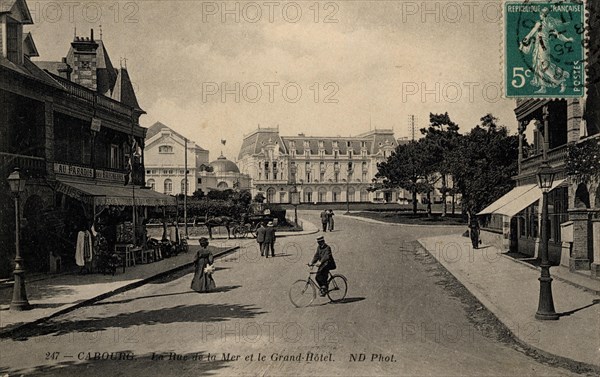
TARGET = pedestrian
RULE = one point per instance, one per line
(260, 237)
(324, 220)
(270, 239)
(324, 261)
(330, 219)
(474, 231)
(203, 269)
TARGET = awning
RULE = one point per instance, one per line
(517, 200)
(101, 194)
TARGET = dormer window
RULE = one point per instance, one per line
(165, 149)
(363, 144)
(13, 44)
(321, 144)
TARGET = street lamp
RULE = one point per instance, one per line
(19, 301)
(295, 200)
(348, 190)
(545, 177)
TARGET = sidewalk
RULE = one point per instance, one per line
(53, 295)
(59, 294)
(510, 290)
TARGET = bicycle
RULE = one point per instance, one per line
(303, 292)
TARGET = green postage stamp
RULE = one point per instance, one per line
(545, 49)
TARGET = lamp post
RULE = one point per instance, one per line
(295, 200)
(348, 191)
(19, 301)
(545, 311)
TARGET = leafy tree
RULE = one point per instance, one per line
(484, 163)
(441, 138)
(198, 194)
(409, 167)
(259, 198)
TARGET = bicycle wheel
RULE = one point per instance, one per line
(302, 293)
(337, 286)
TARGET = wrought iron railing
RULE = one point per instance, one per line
(32, 166)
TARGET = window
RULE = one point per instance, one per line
(350, 153)
(165, 149)
(335, 154)
(199, 181)
(308, 172)
(168, 186)
(336, 194)
(363, 144)
(115, 156)
(282, 197)
(150, 183)
(148, 172)
(12, 42)
(336, 176)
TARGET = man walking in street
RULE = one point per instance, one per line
(324, 261)
(324, 220)
(260, 238)
(269, 242)
(330, 219)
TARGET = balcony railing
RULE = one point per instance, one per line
(557, 158)
(33, 167)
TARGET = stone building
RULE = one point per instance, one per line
(325, 169)
(572, 127)
(166, 161)
(72, 129)
(223, 174)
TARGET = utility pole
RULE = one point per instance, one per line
(185, 189)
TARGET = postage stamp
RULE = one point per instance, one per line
(544, 49)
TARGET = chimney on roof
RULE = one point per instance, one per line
(85, 61)
(65, 70)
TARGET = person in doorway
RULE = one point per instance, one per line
(203, 269)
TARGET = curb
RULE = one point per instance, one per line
(368, 220)
(8, 332)
(572, 283)
(585, 367)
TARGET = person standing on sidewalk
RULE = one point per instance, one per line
(474, 231)
(270, 239)
(324, 220)
(260, 238)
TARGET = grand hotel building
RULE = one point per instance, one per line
(324, 169)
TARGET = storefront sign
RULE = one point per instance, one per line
(110, 176)
(75, 171)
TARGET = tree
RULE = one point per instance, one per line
(441, 138)
(259, 198)
(408, 167)
(484, 163)
(198, 194)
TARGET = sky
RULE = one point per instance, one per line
(217, 70)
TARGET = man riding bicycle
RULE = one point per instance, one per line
(323, 259)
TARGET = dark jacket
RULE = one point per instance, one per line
(260, 234)
(323, 255)
(270, 234)
(324, 217)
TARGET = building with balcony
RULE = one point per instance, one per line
(165, 161)
(560, 132)
(72, 129)
(327, 169)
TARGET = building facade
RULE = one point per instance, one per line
(561, 133)
(166, 161)
(323, 169)
(72, 129)
(223, 174)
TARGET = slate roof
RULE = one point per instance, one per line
(29, 69)
(373, 140)
(158, 126)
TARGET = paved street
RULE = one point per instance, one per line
(403, 312)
